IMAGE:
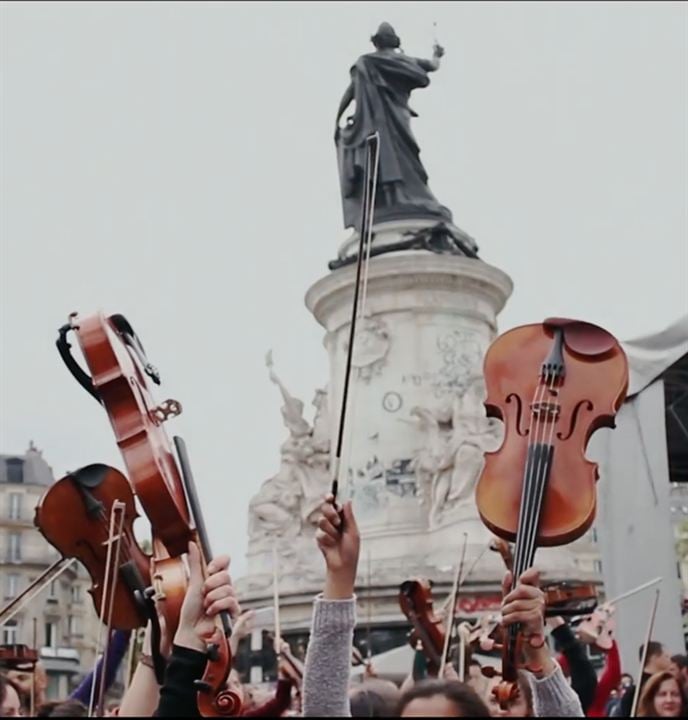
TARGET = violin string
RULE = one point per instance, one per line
(345, 441)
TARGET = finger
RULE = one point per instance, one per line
(325, 540)
(524, 592)
(216, 580)
(506, 583)
(349, 519)
(218, 594)
(331, 513)
(530, 577)
(221, 562)
(195, 567)
(328, 528)
(523, 606)
(228, 604)
(524, 617)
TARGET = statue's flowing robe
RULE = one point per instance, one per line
(382, 83)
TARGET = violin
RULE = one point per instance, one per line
(415, 600)
(120, 377)
(598, 629)
(86, 498)
(18, 657)
(552, 385)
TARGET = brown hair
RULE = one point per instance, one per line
(463, 696)
(646, 704)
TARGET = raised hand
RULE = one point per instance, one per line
(525, 604)
(339, 541)
(204, 599)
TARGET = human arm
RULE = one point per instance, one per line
(204, 599)
(143, 694)
(608, 681)
(525, 605)
(328, 658)
(583, 675)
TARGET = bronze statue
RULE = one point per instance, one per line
(381, 83)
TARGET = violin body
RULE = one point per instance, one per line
(119, 369)
(74, 516)
(18, 657)
(548, 424)
(415, 600)
(598, 629)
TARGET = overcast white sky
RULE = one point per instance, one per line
(174, 162)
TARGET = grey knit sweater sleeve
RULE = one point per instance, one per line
(554, 697)
(328, 659)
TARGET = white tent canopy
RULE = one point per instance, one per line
(634, 528)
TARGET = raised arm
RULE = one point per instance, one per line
(434, 63)
(346, 99)
(328, 659)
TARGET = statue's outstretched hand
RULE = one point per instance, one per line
(437, 50)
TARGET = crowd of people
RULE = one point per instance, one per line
(555, 675)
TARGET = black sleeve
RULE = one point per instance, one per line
(626, 704)
(583, 675)
(178, 693)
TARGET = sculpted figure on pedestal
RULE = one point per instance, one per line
(286, 505)
(448, 464)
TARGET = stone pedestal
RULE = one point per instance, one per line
(416, 435)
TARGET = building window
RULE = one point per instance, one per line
(12, 586)
(52, 591)
(76, 593)
(51, 635)
(74, 625)
(15, 506)
(10, 632)
(15, 470)
(597, 566)
(15, 547)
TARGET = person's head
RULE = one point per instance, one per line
(661, 697)
(385, 38)
(679, 668)
(10, 703)
(374, 698)
(625, 682)
(657, 659)
(520, 706)
(441, 698)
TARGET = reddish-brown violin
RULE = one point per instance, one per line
(415, 600)
(119, 379)
(552, 384)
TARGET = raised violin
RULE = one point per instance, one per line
(415, 600)
(552, 385)
(119, 379)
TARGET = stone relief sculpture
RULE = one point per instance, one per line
(371, 346)
(285, 507)
(448, 464)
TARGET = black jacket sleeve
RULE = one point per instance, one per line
(178, 693)
(583, 675)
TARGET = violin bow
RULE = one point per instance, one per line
(451, 612)
(107, 605)
(37, 586)
(651, 624)
(372, 162)
(32, 701)
(277, 641)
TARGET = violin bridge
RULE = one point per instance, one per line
(167, 409)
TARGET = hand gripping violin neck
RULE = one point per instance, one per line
(552, 384)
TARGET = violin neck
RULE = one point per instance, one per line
(197, 515)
